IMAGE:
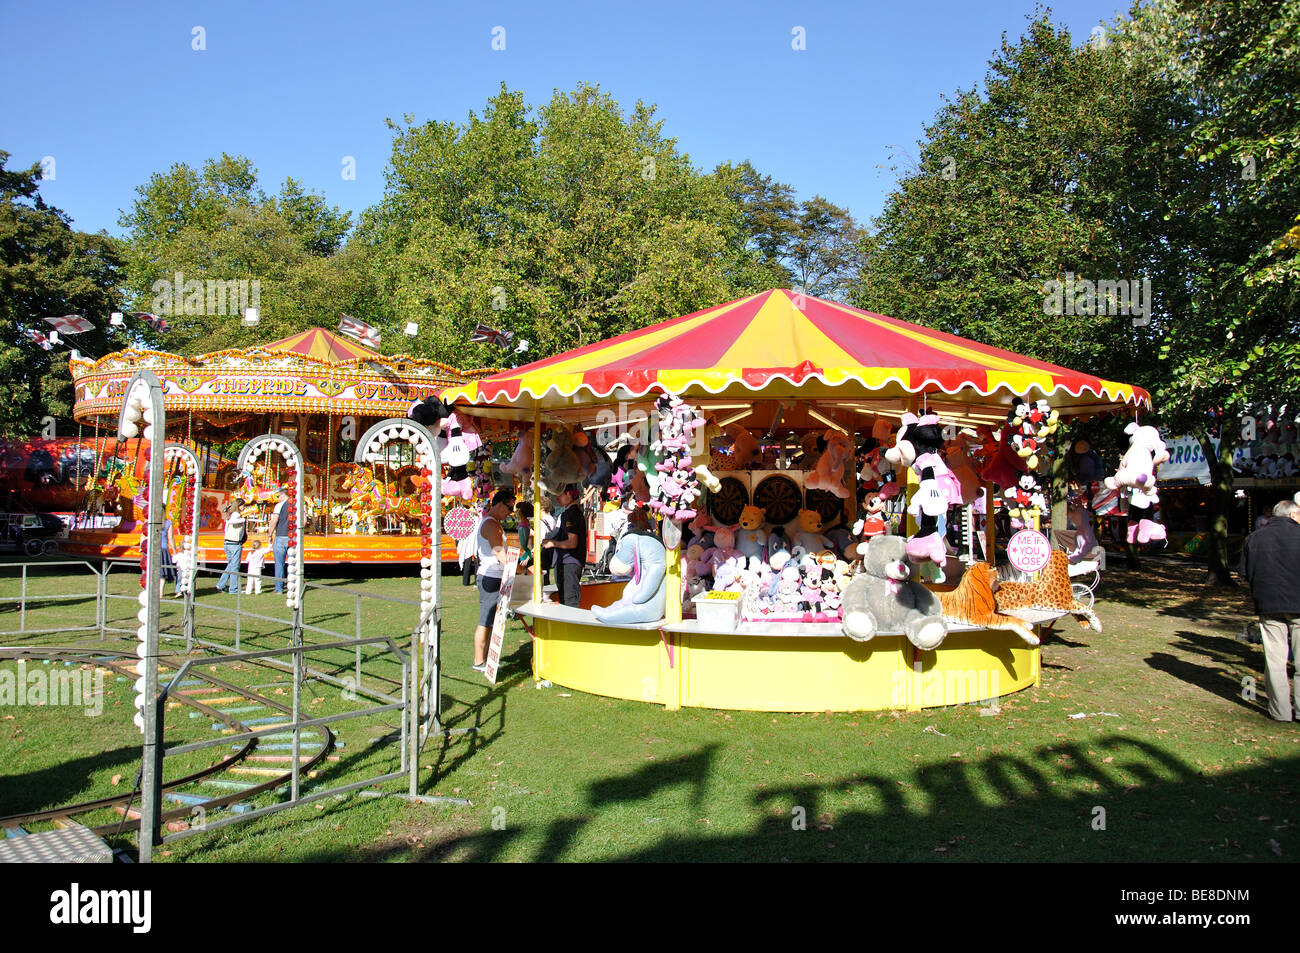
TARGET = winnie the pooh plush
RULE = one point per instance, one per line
(883, 598)
(808, 538)
(751, 538)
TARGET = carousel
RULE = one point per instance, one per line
(812, 491)
(316, 390)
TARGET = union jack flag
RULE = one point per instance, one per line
(69, 323)
(363, 332)
(155, 322)
(486, 335)
(40, 338)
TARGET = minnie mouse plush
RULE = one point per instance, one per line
(917, 446)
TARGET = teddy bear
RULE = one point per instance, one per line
(808, 538)
(883, 598)
(829, 472)
(751, 538)
(724, 548)
(561, 466)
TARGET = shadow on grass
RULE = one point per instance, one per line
(62, 783)
(1003, 807)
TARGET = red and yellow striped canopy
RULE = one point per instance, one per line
(323, 345)
(782, 344)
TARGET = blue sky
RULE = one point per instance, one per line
(115, 91)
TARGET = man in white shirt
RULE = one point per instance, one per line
(234, 543)
(279, 526)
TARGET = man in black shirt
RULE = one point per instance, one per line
(1270, 561)
(569, 543)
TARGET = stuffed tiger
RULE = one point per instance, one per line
(971, 603)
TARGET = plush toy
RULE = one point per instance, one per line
(745, 450)
(777, 542)
(595, 462)
(829, 474)
(917, 446)
(1050, 592)
(1086, 463)
(561, 466)
(643, 599)
(972, 603)
(811, 447)
(1136, 481)
(431, 412)
(1025, 499)
(456, 455)
(1004, 464)
(809, 538)
(724, 547)
(751, 539)
(882, 598)
(874, 467)
(963, 470)
(521, 461)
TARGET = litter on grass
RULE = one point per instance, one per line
(1093, 714)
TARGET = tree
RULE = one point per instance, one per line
(565, 224)
(823, 252)
(46, 268)
(215, 226)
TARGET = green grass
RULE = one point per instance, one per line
(1187, 769)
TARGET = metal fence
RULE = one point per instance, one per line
(387, 674)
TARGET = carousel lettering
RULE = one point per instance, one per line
(253, 387)
(393, 392)
(116, 389)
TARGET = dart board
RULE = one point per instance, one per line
(827, 504)
(780, 498)
(459, 522)
(726, 504)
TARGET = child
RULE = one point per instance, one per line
(261, 549)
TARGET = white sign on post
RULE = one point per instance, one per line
(499, 622)
(1029, 550)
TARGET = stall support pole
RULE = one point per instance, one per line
(990, 530)
(913, 481)
(537, 515)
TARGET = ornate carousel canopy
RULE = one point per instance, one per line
(782, 344)
(316, 371)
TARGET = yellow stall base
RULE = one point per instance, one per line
(681, 666)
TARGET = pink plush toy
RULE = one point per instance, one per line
(1136, 481)
(829, 474)
(724, 548)
(521, 461)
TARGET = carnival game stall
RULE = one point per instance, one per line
(811, 472)
(316, 390)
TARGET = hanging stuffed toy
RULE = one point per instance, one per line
(561, 466)
(1136, 481)
(456, 454)
(431, 412)
(962, 468)
(745, 451)
(829, 473)
(1085, 463)
(1004, 464)
(678, 487)
(521, 461)
(917, 446)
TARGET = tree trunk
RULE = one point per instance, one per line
(1221, 499)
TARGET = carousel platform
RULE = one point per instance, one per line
(388, 549)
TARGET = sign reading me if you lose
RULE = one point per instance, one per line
(1029, 550)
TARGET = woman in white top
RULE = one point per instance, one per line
(490, 542)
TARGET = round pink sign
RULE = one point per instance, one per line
(459, 522)
(1028, 550)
